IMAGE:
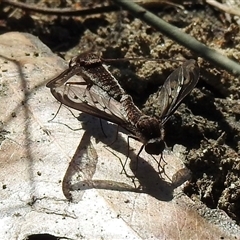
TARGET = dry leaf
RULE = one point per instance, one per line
(35, 155)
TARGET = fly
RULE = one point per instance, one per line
(105, 98)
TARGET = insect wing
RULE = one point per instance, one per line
(94, 102)
(176, 87)
(63, 77)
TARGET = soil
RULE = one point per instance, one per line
(206, 123)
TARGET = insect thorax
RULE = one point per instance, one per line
(151, 132)
(149, 127)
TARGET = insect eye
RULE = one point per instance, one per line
(155, 146)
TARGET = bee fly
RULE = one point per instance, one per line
(105, 98)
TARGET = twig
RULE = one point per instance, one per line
(61, 11)
(82, 11)
(182, 38)
(223, 7)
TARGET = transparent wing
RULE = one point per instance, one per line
(94, 102)
(63, 77)
(176, 87)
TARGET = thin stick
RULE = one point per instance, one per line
(182, 38)
(79, 12)
(61, 11)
